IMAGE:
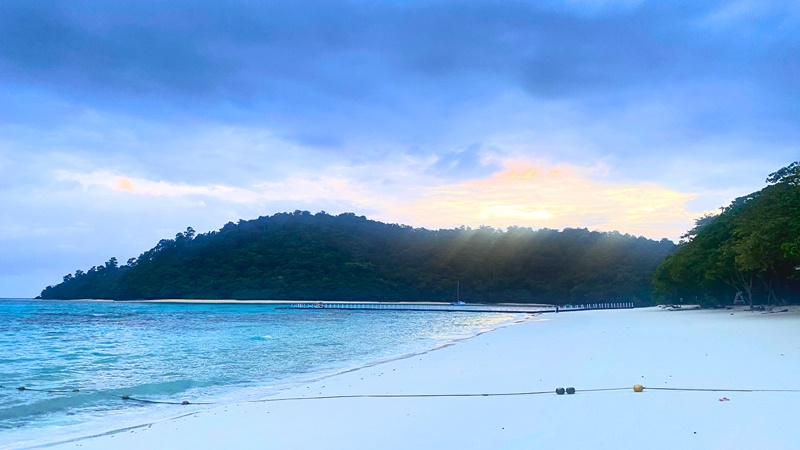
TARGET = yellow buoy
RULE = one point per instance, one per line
(638, 388)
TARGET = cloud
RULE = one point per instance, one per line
(540, 196)
(300, 188)
(124, 184)
(315, 59)
(469, 162)
(608, 114)
(522, 193)
(139, 186)
(217, 91)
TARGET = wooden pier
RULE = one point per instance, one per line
(446, 307)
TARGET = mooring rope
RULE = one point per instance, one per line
(55, 391)
(559, 391)
(718, 390)
(142, 400)
(330, 397)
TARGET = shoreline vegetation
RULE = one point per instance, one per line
(749, 253)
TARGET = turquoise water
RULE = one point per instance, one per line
(174, 352)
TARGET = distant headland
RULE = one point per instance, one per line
(299, 255)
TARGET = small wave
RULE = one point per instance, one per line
(165, 388)
(48, 404)
(261, 338)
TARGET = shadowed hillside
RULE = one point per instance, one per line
(347, 257)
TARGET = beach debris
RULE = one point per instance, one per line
(772, 311)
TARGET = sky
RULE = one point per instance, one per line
(123, 123)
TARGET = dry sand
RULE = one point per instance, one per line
(586, 350)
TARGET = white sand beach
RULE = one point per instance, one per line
(586, 350)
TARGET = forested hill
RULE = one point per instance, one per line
(750, 252)
(347, 257)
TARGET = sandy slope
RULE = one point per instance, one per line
(587, 350)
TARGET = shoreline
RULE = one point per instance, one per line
(265, 390)
(611, 349)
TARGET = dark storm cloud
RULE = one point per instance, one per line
(265, 55)
(403, 74)
(99, 53)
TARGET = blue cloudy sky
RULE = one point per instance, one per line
(122, 123)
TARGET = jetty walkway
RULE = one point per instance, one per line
(478, 308)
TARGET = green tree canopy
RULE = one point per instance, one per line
(751, 249)
(347, 257)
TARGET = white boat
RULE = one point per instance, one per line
(458, 301)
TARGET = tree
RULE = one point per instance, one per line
(751, 247)
(789, 175)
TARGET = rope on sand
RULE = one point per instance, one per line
(718, 390)
(331, 397)
(558, 391)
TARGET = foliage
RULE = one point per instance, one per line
(752, 248)
(303, 256)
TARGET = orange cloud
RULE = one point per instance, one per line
(522, 194)
(526, 194)
(124, 184)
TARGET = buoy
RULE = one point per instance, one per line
(185, 402)
(21, 388)
(76, 390)
(560, 391)
(570, 390)
(638, 388)
(125, 397)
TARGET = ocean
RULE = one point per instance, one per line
(76, 359)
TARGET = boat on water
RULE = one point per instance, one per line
(458, 301)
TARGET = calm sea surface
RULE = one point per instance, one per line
(175, 352)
